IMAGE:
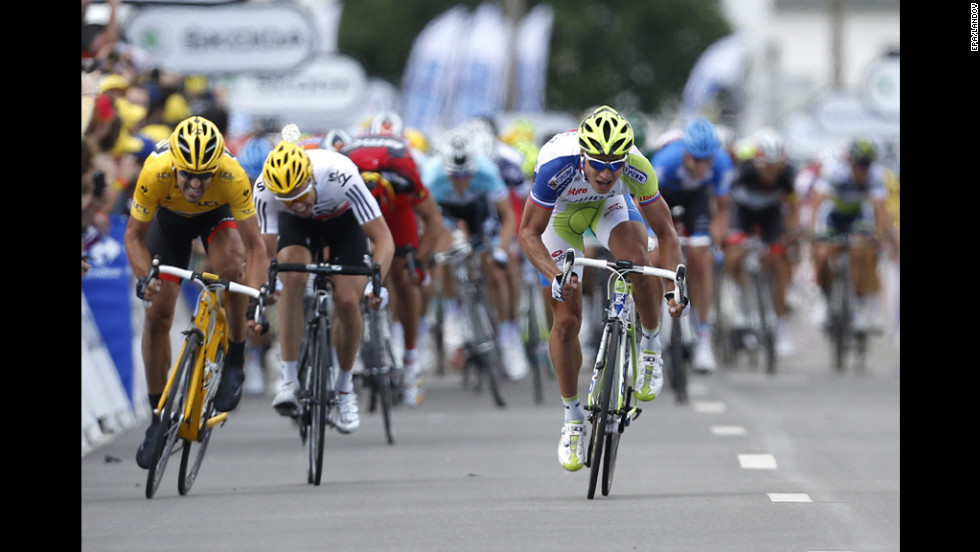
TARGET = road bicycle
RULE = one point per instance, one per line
(845, 338)
(317, 396)
(534, 328)
(482, 355)
(186, 407)
(382, 372)
(753, 329)
(612, 403)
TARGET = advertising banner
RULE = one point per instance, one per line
(108, 290)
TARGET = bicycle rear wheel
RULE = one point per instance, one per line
(601, 412)
(188, 469)
(173, 413)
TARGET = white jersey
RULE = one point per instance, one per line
(338, 186)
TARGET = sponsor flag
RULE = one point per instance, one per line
(720, 66)
(482, 81)
(531, 71)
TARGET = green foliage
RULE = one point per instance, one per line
(634, 55)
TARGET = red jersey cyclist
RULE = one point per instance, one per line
(388, 169)
(192, 188)
(314, 199)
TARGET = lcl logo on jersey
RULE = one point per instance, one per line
(562, 178)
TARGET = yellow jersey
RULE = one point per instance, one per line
(157, 187)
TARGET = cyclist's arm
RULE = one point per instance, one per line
(382, 243)
(136, 250)
(256, 256)
(431, 217)
(720, 220)
(657, 215)
(507, 223)
(533, 224)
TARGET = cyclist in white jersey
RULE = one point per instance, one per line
(313, 199)
(583, 180)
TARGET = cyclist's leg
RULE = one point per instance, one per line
(624, 233)
(170, 238)
(292, 245)
(226, 253)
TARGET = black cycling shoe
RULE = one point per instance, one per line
(144, 455)
(230, 389)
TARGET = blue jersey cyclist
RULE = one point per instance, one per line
(584, 179)
(695, 172)
(468, 188)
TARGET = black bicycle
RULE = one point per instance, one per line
(382, 372)
(480, 331)
(534, 328)
(845, 338)
(317, 395)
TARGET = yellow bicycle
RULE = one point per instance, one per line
(186, 407)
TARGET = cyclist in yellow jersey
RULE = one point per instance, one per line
(191, 188)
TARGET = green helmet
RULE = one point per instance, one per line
(605, 132)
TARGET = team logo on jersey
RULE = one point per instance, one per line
(635, 174)
(558, 254)
(562, 178)
(339, 176)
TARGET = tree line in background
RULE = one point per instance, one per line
(636, 55)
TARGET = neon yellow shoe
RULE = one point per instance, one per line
(650, 378)
(571, 447)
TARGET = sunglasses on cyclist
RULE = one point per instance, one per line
(600, 166)
(287, 201)
(202, 176)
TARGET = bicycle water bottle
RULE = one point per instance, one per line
(619, 296)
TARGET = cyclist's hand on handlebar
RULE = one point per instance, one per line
(147, 287)
(422, 276)
(676, 310)
(500, 256)
(376, 301)
(560, 291)
(258, 324)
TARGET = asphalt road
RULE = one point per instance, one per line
(806, 460)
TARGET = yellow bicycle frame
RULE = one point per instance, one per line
(210, 323)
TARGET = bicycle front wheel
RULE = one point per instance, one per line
(173, 413)
(188, 468)
(487, 355)
(320, 400)
(601, 411)
(617, 421)
(767, 322)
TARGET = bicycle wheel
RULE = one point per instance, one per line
(767, 322)
(488, 354)
(173, 413)
(600, 412)
(840, 319)
(675, 361)
(320, 400)
(531, 336)
(618, 420)
(188, 469)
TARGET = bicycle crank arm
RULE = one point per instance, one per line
(215, 420)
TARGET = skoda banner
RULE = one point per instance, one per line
(108, 290)
(234, 38)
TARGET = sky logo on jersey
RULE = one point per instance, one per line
(562, 178)
(635, 174)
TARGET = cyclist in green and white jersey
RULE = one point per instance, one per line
(584, 179)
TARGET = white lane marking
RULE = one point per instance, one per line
(727, 430)
(710, 407)
(757, 461)
(789, 497)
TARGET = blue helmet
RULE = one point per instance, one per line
(700, 139)
(251, 156)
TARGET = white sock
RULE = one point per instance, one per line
(573, 409)
(290, 371)
(650, 341)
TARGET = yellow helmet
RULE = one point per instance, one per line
(605, 132)
(196, 145)
(416, 139)
(381, 189)
(286, 168)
